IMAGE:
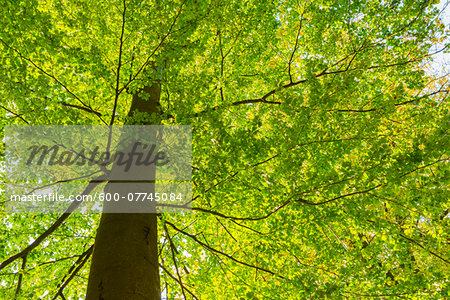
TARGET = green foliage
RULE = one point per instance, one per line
(320, 145)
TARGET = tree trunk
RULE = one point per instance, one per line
(125, 258)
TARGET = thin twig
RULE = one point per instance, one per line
(19, 282)
(92, 184)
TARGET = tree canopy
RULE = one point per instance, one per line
(320, 145)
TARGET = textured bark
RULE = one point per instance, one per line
(125, 258)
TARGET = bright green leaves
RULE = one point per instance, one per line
(320, 145)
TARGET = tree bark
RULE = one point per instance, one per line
(125, 258)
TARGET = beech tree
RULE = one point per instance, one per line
(320, 147)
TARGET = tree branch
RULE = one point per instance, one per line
(337, 198)
(295, 48)
(92, 184)
(15, 114)
(420, 245)
(222, 253)
(19, 283)
(177, 280)
(147, 61)
(119, 65)
(89, 110)
(81, 261)
(173, 250)
(325, 72)
(45, 73)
